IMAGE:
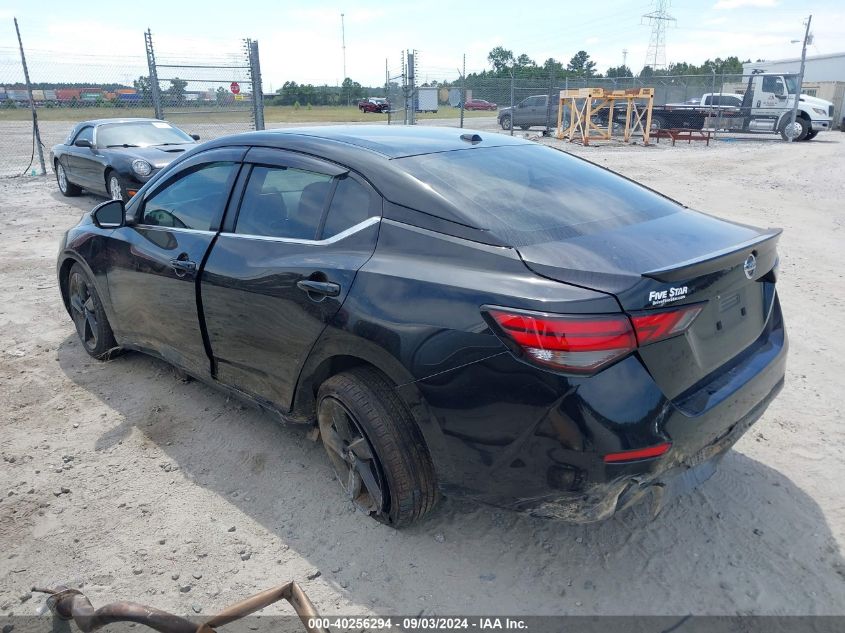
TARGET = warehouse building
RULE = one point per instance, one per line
(824, 77)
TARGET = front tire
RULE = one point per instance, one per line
(89, 317)
(66, 187)
(376, 448)
(505, 122)
(811, 135)
(116, 186)
(799, 133)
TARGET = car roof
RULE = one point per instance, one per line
(124, 120)
(391, 141)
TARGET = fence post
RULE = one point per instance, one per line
(35, 131)
(155, 92)
(549, 100)
(513, 109)
(463, 88)
(411, 106)
(257, 90)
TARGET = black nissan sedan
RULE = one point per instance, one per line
(453, 312)
(115, 157)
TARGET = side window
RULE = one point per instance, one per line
(352, 204)
(194, 200)
(283, 202)
(86, 133)
(773, 84)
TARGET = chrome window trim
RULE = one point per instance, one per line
(152, 227)
(293, 240)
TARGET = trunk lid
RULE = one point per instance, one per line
(677, 259)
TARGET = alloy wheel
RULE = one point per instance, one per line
(83, 310)
(352, 456)
(115, 189)
(62, 177)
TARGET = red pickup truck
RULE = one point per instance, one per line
(374, 104)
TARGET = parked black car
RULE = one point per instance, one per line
(455, 311)
(115, 157)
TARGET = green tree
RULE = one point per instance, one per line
(646, 72)
(553, 65)
(222, 96)
(524, 61)
(619, 71)
(501, 59)
(176, 92)
(581, 66)
(142, 87)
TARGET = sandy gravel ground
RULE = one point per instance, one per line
(125, 480)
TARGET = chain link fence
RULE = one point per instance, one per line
(527, 99)
(202, 92)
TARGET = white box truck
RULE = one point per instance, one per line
(426, 100)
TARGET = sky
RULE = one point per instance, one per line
(301, 41)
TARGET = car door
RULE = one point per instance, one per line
(771, 97)
(282, 266)
(155, 260)
(80, 160)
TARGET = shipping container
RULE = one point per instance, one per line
(18, 95)
(128, 97)
(49, 95)
(67, 94)
(38, 95)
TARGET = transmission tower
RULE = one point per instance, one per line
(656, 55)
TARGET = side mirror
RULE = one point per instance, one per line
(196, 137)
(83, 142)
(109, 215)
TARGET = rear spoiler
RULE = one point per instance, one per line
(717, 260)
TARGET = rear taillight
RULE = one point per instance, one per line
(577, 344)
(656, 326)
(583, 344)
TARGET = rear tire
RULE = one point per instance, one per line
(658, 123)
(89, 317)
(391, 454)
(66, 187)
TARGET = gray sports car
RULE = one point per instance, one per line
(115, 157)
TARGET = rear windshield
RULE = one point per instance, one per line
(530, 194)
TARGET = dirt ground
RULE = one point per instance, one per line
(125, 480)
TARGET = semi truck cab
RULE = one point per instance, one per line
(768, 103)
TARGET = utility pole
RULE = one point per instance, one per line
(656, 55)
(35, 131)
(343, 46)
(800, 81)
(625, 57)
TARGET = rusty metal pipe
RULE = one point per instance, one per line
(71, 604)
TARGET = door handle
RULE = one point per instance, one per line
(183, 265)
(327, 288)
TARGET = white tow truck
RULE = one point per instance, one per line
(766, 106)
